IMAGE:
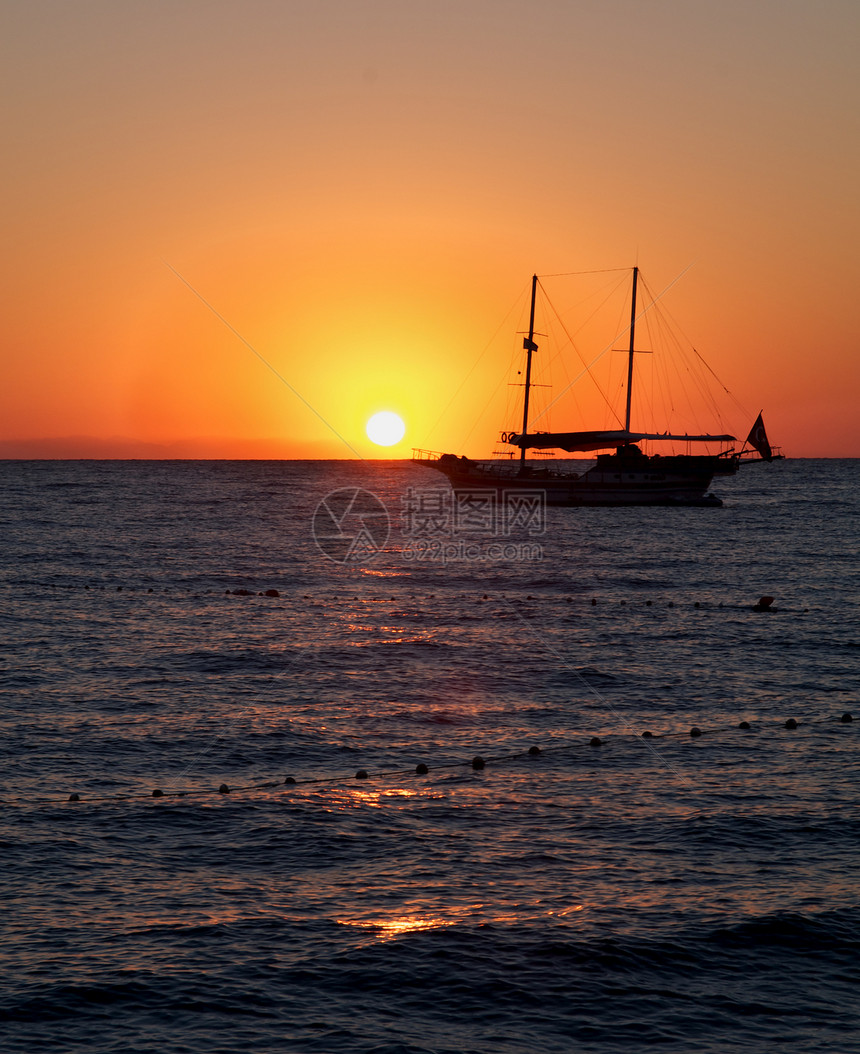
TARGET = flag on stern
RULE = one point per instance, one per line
(758, 439)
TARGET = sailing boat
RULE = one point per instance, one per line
(623, 474)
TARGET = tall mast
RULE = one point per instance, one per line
(631, 352)
(530, 348)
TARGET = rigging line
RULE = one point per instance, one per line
(693, 367)
(685, 370)
(264, 361)
(707, 366)
(661, 390)
(571, 274)
(479, 417)
(501, 382)
(740, 406)
(675, 325)
(542, 641)
(212, 743)
(579, 354)
(474, 366)
(608, 347)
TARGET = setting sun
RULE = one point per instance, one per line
(385, 428)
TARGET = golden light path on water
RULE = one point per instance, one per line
(415, 919)
(386, 928)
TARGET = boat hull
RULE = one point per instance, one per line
(623, 478)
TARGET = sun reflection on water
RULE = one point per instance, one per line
(357, 796)
(387, 928)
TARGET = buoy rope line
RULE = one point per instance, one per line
(647, 738)
(477, 764)
(276, 594)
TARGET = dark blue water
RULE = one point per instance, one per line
(681, 892)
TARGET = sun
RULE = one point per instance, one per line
(385, 428)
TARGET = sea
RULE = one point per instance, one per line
(323, 757)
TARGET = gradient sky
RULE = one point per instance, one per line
(362, 188)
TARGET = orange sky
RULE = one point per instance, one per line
(362, 188)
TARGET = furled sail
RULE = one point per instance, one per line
(584, 441)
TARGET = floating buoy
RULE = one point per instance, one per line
(594, 602)
(271, 593)
(648, 603)
(763, 604)
(697, 604)
(478, 762)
